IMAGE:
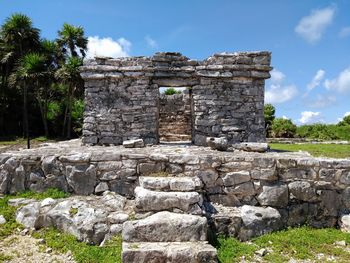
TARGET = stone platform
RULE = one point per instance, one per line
(176, 189)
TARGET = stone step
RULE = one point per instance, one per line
(147, 200)
(166, 227)
(179, 184)
(169, 252)
(173, 137)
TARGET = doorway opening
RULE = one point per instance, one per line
(175, 114)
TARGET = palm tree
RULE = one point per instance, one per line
(69, 74)
(71, 39)
(31, 70)
(19, 37)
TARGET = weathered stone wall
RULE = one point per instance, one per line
(175, 122)
(122, 96)
(301, 188)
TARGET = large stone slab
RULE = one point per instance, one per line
(257, 221)
(166, 227)
(181, 184)
(90, 219)
(169, 252)
(147, 200)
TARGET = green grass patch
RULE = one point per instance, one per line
(231, 250)
(51, 192)
(82, 252)
(303, 243)
(4, 258)
(324, 150)
(9, 212)
(14, 141)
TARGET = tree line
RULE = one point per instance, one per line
(285, 128)
(41, 91)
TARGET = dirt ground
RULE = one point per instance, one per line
(18, 248)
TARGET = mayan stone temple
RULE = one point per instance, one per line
(166, 172)
(226, 96)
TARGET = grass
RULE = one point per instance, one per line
(303, 243)
(231, 250)
(14, 141)
(82, 252)
(4, 258)
(9, 212)
(324, 150)
(51, 192)
(60, 242)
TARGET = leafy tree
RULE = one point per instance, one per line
(19, 37)
(70, 75)
(71, 39)
(171, 91)
(269, 115)
(345, 121)
(31, 71)
(284, 128)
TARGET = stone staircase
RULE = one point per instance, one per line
(176, 232)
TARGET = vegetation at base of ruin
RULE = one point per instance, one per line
(232, 250)
(9, 212)
(41, 91)
(172, 91)
(49, 193)
(4, 258)
(73, 211)
(318, 150)
(82, 252)
(303, 243)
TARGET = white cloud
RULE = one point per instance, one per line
(344, 32)
(341, 83)
(151, 42)
(308, 117)
(316, 80)
(312, 27)
(277, 76)
(285, 117)
(323, 101)
(108, 47)
(279, 94)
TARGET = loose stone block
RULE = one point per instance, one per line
(145, 252)
(147, 200)
(274, 196)
(166, 227)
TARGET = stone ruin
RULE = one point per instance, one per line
(165, 199)
(226, 97)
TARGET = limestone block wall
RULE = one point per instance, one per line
(175, 122)
(302, 189)
(122, 96)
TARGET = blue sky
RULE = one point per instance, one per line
(309, 40)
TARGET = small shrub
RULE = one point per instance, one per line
(171, 91)
(283, 128)
(73, 211)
